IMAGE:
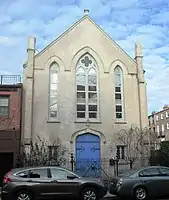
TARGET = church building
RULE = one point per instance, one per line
(83, 89)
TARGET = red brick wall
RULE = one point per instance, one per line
(10, 132)
(8, 123)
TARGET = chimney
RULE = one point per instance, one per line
(139, 62)
(31, 43)
(86, 11)
(153, 112)
(165, 107)
(31, 54)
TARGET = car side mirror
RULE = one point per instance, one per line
(71, 176)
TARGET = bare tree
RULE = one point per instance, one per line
(43, 154)
(138, 143)
(150, 142)
(130, 138)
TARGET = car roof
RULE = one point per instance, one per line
(151, 167)
(154, 166)
(14, 170)
(133, 171)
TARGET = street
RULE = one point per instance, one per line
(106, 198)
(110, 198)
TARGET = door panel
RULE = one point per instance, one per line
(153, 181)
(38, 178)
(61, 185)
(88, 155)
(165, 179)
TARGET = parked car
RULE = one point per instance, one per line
(141, 184)
(49, 182)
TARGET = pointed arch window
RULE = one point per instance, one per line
(87, 88)
(119, 107)
(53, 91)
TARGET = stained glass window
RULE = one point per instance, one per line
(87, 88)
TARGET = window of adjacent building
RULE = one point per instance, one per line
(158, 130)
(4, 105)
(157, 118)
(149, 122)
(162, 129)
(167, 125)
(154, 130)
(87, 106)
(162, 116)
(53, 93)
(120, 152)
(119, 93)
(167, 114)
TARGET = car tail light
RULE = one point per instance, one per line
(7, 179)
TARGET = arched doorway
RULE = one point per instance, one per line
(88, 155)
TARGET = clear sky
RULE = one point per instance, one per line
(126, 21)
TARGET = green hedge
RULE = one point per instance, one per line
(164, 153)
(161, 156)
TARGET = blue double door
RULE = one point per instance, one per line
(88, 155)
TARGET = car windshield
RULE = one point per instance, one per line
(128, 173)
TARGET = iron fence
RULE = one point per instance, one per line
(10, 79)
(103, 169)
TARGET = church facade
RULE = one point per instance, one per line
(83, 88)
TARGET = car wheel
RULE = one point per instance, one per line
(89, 194)
(140, 193)
(23, 195)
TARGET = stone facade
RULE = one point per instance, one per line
(84, 37)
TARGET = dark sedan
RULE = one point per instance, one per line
(141, 184)
(49, 182)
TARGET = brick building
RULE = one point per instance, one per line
(10, 121)
(159, 123)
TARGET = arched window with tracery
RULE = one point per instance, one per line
(53, 91)
(87, 88)
(119, 104)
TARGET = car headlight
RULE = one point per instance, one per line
(119, 183)
(97, 180)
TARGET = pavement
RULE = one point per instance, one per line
(108, 196)
(113, 198)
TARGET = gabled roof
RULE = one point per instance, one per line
(73, 26)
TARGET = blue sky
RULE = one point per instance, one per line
(126, 21)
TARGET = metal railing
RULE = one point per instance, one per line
(10, 79)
